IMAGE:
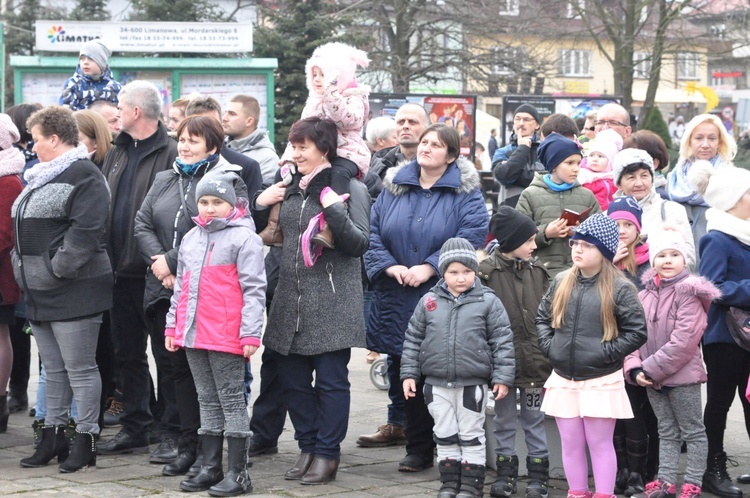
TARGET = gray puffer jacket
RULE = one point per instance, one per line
(319, 309)
(576, 350)
(457, 342)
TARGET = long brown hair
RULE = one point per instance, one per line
(605, 287)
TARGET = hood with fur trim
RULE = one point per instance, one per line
(336, 59)
(700, 287)
(466, 180)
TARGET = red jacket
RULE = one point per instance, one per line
(10, 187)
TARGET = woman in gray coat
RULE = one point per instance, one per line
(317, 312)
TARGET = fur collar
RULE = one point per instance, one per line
(469, 178)
(694, 285)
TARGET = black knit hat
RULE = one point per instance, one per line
(511, 228)
(529, 109)
(457, 249)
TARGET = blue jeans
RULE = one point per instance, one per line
(68, 351)
(320, 411)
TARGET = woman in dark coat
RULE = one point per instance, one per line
(423, 204)
(316, 315)
(164, 218)
(61, 264)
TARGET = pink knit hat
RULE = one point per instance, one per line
(608, 143)
(8, 132)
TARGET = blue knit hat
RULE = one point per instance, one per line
(626, 208)
(555, 149)
(601, 231)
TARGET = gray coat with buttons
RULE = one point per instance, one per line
(457, 342)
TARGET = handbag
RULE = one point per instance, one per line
(738, 323)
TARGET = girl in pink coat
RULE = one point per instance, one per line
(670, 364)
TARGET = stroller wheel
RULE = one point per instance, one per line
(379, 374)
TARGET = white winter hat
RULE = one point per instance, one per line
(721, 188)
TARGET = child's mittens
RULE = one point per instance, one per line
(328, 197)
(287, 173)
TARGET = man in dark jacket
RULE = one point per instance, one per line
(515, 164)
(411, 121)
(492, 144)
(142, 149)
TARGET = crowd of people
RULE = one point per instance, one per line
(595, 294)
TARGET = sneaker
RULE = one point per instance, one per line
(689, 490)
(658, 489)
(386, 435)
(580, 494)
(37, 427)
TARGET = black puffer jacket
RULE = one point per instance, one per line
(576, 350)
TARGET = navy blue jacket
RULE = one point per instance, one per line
(725, 261)
(408, 226)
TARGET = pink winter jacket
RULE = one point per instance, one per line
(676, 316)
(220, 288)
(349, 110)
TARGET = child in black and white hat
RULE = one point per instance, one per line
(463, 329)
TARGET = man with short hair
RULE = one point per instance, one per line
(613, 116)
(411, 121)
(109, 112)
(250, 174)
(492, 145)
(141, 150)
(240, 122)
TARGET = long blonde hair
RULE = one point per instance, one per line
(727, 145)
(605, 287)
(629, 264)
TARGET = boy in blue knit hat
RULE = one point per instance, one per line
(550, 194)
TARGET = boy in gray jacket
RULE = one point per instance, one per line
(459, 339)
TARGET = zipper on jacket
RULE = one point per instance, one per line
(206, 260)
(296, 262)
(575, 333)
(179, 213)
(329, 271)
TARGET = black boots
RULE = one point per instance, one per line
(507, 475)
(82, 455)
(637, 463)
(210, 473)
(472, 481)
(186, 456)
(53, 444)
(621, 479)
(450, 478)
(236, 481)
(4, 412)
(716, 480)
(538, 469)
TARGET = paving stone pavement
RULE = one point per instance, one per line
(363, 472)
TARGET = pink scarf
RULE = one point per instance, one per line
(305, 181)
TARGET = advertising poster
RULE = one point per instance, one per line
(457, 111)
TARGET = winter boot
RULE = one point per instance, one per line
(211, 472)
(82, 454)
(507, 475)
(716, 480)
(53, 444)
(196, 467)
(37, 426)
(472, 481)
(637, 462)
(324, 238)
(621, 480)
(271, 235)
(538, 469)
(236, 481)
(450, 477)
(17, 401)
(186, 456)
(4, 413)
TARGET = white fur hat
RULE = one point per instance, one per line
(338, 58)
(721, 188)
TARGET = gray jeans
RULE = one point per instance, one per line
(219, 379)
(68, 351)
(505, 425)
(680, 415)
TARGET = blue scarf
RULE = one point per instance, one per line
(679, 188)
(191, 169)
(557, 187)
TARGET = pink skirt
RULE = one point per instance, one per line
(602, 397)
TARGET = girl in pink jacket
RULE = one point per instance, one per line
(216, 314)
(335, 94)
(670, 364)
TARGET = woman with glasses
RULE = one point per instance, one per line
(705, 139)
